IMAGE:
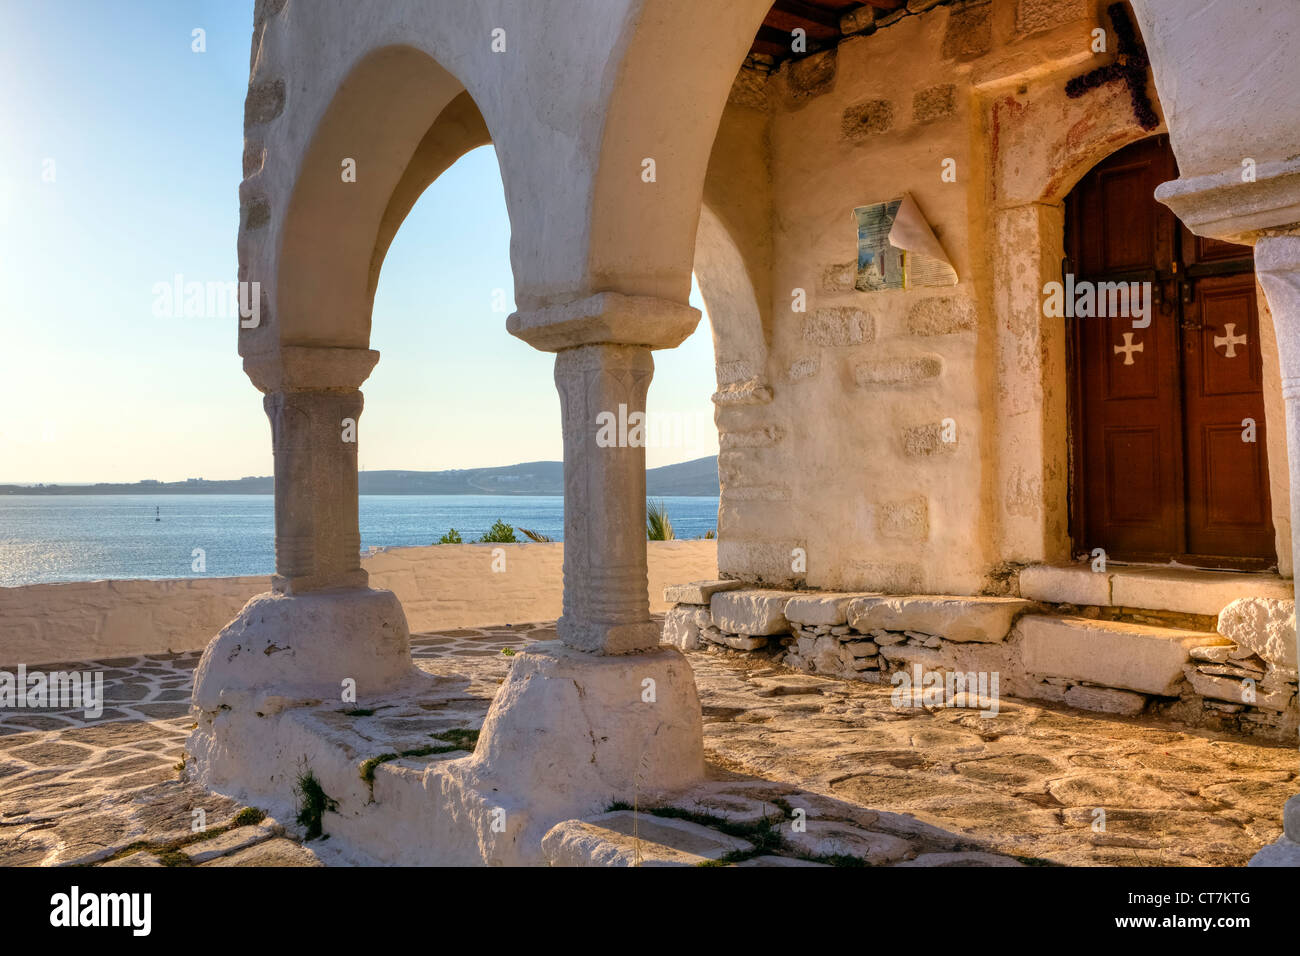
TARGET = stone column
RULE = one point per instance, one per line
(320, 632)
(1277, 265)
(602, 403)
(602, 371)
(606, 702)
(317, 535)
(313, 400)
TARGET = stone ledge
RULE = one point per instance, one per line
(980, 619)
(1183, 590)
(822, 609)
(624, 838)
(698, 592)
(751, 612)
(1127, 656)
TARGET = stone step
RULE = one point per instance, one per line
(1136, 657)
(1181, 590)
(625, 838)
(954, 618)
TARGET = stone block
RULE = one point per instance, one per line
(839, 278)
(838, 326)
(980, 619)
(1110, 653)
(1234, 691)
(907, 520)
(1264, 625)
(698, 592)
(809, 77)
(861, 121)
(749, 392)
(279, 852)
(751, 612)
(858, 21)
(814, 609)
(941, 315)
(924, 441)
(969, 33)
(900, 371)
(1077, 584)
(625, 838)
(1190, 591)
(1105, 699)
(763, 437)
(826, 838)
(934, 103)
(231, 841)
(804, 368)
(1033, 16)
(682, 626)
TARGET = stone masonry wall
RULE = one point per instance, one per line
(906, 440)
(445, 586)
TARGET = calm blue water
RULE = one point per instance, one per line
(45, 538)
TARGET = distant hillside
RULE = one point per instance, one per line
(698, 478)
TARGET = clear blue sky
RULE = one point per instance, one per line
(146, 136)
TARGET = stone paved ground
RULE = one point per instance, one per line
(1028, 782)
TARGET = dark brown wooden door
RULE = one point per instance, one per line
(1161, 468)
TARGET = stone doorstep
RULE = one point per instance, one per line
(1182, 590)
(1134, 657)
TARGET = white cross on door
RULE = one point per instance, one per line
(1128, 348)
(1230, 340)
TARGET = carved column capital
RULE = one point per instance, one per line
(606, 318)
(292, 368)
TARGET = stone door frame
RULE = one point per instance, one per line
(1040, 144)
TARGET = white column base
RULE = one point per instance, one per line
(575, 732)
(282, 648)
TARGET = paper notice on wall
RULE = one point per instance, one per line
(927, 264)
(897, 249)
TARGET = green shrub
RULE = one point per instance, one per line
(313, 803)
(451, 537)
(499, 533)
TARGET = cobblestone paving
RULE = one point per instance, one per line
(1027, 782)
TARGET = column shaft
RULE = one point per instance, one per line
(317, 535)
(606, 598)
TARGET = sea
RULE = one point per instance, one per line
(52, 538)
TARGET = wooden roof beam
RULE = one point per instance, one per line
(806, 11)
(787, 22)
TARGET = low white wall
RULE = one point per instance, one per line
(440, 587)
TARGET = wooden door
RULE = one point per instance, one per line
(1161, 466)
